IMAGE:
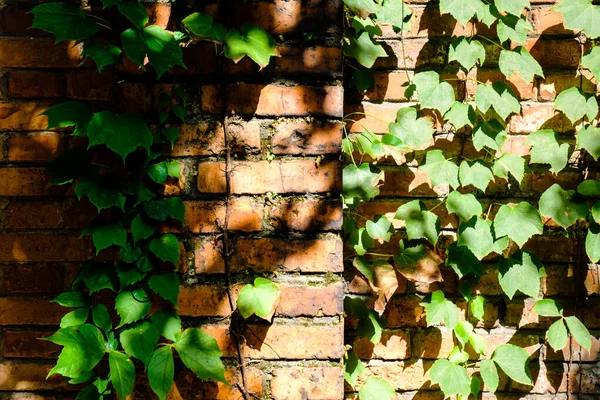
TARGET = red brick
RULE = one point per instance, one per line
(204, 300)
(38, 53)
(32, 215)
(23, 278)
(245, 214)
(554, 84)
(296, 138)
(27, 344)
(78, 213)
(199, 58)
(523, 90)
(43, 247)
(188, 384)
(16, 21)
(35, 147)
(90, 85)
(30, 376)
(29, 311)
(211, 177)
(311, 215)
(562, 53)
(36, 84)
(394, 345)
(134, 97)
(311, 300)
(307, 383)
(546, 21)
(22, 116)
(213, 99)
(317, 60)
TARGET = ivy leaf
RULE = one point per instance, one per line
(102, 55)
(514, 7)
(166, 286)
(75, 318)
(63, 20)
(162, 209)
(71, 113)
(159, 172)
(440, 170)
(139, 341)
(595, 211)
(141, 228)
(466, 52)
(519, 222)
(489, 374)
(363, 6)
(72, 299)
(513, 360)
(463, 261)
(252, 41)
(439, 309)
(360, 241)
(592, 243)
(547, 150)
(420, 223)
(575, 105)
(166, 248)
(101, 318)
(453, 379)
(520, 61)
(476, 235)
(106, 235)
(395, 13)
(161, 371)
(353, 368)
(98, 276)
(367, 24)
(591, 61)
(475, 173)
(121, 133)
(369, 324)
(132, 305)
(461, 114)
(363, 48)
(589, 140)
(463, 331)
(99, 194)
(362, 80)
(547, 308)
(203, 26)
(458, 356)
(376, 388)
(412, 131)
(563, 206)
(167, 323)
(122, 373)
(462, 10)
(463, 205)
(489, 134)
(129, 275)
(580, 15)
(557, 335)
(163, 50)
(513, 28)
(361, 183)
(380, 228)
(522, 272)
(200, 353)
(512, 163)
(579, 332)
(135, 12)
(499, 96)
(589, 188)
(134, 45)
(478, 307)
(260, 299)
(83, 349)
(433, 93)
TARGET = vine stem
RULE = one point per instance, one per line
(490, 41)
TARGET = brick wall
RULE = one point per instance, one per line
(409, 347)
(283, 126)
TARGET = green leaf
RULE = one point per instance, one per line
(463, 261)
(141, 228)
(353, 368)
(90, 392)
(122, 373)
(580, 15)
(101, 318)
(557, 335)
(167, 323)
(166, 248)
(363, 6)
(463, 331)
(170, 133)
(489, 134)
(71, 113)
(589, 188)
(75, 318)
(520, 272)
(163, 50)
(462, 10)
(547, 150)
(519, 222)
(589, 140)
(162, 209)
(547, 308)
(380, 228)
(439, 309)
(139, 341)
(412, 131)
(595, 211)
(251, 41)
(433, 93)
(135, 12)
(520, 61)
(63, 20)
(161, 371)
(592, 243)
(512, 163)
(478, 343)
(478, 307)
(453, 379)
(513, 28)
(466, 52)
(420, 223)
(259, 299)
(361, 183)
(499, 96)
(463, 205)
(513, 360)
(489, 374)
(440, 170)
(72, 299)
(121, 133)
(203, 26)
(376, 388)
(129, 275)
(102, 55)
(476, 234)
(166, 286)
(369, 324)
(362, 80)
(565, 207)
(200, 353)
(99, 194)
(575, 105)
(106, 235)
(458, 356)
(134, 45)
(395, 13)
(132, 305)
(461, 114)
(367, 24)
(579, 332)
(591, 61)
(514, 7)
(362, 47)
(475, 173)
(98, 276)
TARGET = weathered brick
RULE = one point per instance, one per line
(33, 215)
(35, 84)
(29, 311)
(27, 344)
(30, 376)
(188, 384)
(43, 247)
(90, 85)
(38, 53)
(296, 138)
(318, 60)
(35, 147)
(22, 116)
(34, 278)
(310, 215)
(394, 345)
(307, 383)
(245, 214)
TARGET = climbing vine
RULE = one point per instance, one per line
(122, 172)
(483, 121)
